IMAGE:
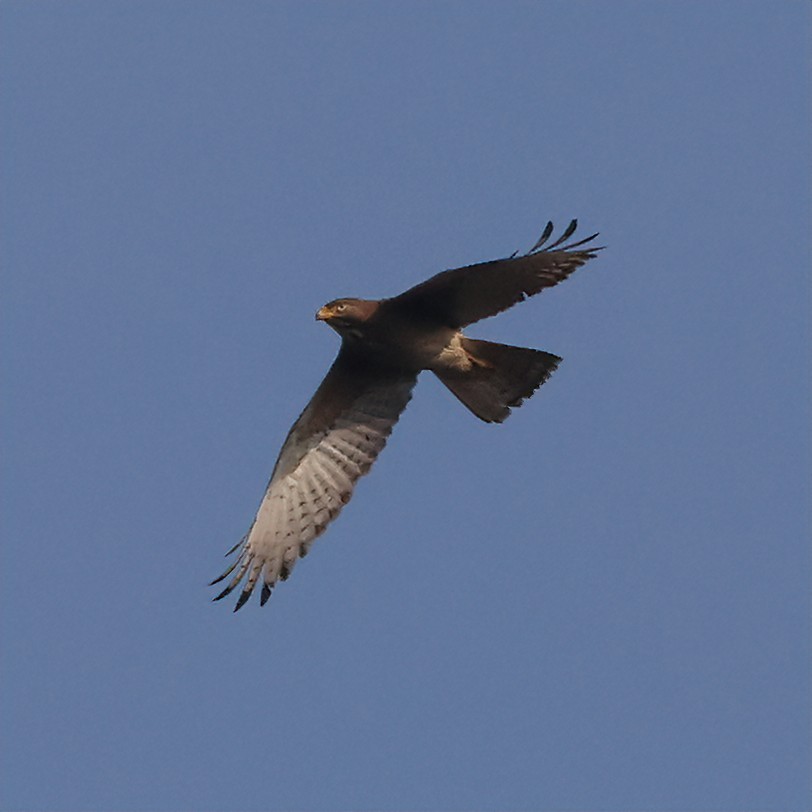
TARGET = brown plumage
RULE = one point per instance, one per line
(385, 344)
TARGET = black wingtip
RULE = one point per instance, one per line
(220, 577)
(226, 573)
(266, 593)
(236, 546)
(584, 241)
(568, 232)
(244, 596)
(223, 593)
(558, 245)
(545, 235)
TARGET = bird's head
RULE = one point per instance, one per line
(346, 316)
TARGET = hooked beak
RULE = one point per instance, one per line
(324, 313)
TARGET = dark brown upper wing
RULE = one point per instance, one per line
(465, 295)
(334, 442)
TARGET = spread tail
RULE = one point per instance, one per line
(500, 377)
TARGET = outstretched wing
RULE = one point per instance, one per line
(465, 295)
(335, 440)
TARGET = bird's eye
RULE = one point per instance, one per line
(340, 308)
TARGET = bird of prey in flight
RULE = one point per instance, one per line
(385, 344)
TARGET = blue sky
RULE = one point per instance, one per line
(601, 604)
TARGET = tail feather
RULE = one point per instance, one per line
(501, 377)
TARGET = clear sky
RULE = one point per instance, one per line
(602, 604)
